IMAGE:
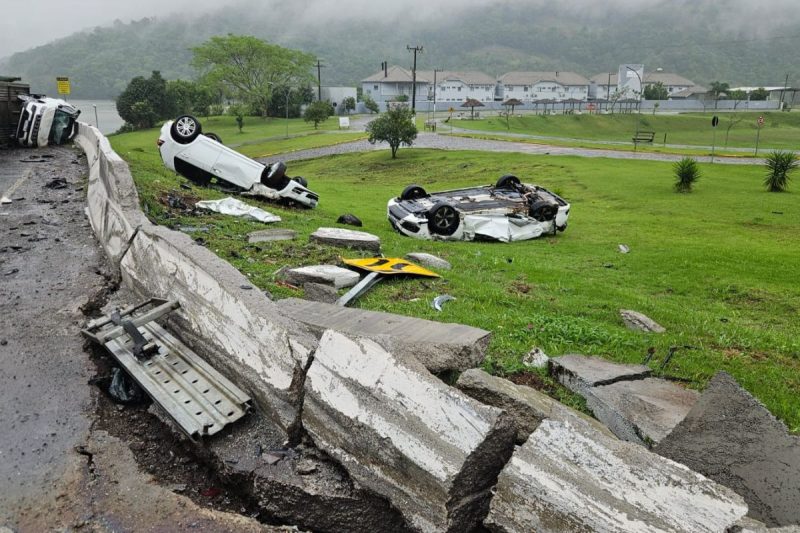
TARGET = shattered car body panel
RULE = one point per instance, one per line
(198, 157)
(509, 211)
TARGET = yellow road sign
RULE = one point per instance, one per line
(63, 85)
(390, 265)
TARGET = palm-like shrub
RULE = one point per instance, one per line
(686, 173)
(779, 165)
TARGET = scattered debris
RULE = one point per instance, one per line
(350, 220)
(5, 200)
(56, 183)
(192, 229)
(123, 389)
(369, 281)
(624, 249)
(441, 300)
(179, 487)
(347, 238)
(271, 458)
(211, 492)
(305, 467)
(639, 322)
(333, 275)
(270, 235)
(285, 284)
(429, 260)
(536, 358)
(318, 292)
(237, 208)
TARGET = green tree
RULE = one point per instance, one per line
(718, 88)
(395, 127)
(318, 112)
(759, 94)
(371, 105)
(250, 68)
(780, 164)
(686, 174)
(655, 91)
(349, 104)
(152, 93)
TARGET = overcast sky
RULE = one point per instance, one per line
(24, 24)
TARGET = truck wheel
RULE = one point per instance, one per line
(508, 181)
(443, 219)
(185, 129)
(301, 180)
(543, 210)
(274, 176)
(413, 192)
(214, 137)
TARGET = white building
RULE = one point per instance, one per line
(451, 86)
(533, 86)
(601, 85)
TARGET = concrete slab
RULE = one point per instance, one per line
(429, 260)
(579, 372)
(568, 478)
(398, 430)
(731, 437)
(643, 411)
(346, 238)
(333, 275)
(525, 405)
(318, 292)
(639, 322)
(271, 235)
(438, 346)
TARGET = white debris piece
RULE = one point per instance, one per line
(237, 208)
(536, 358)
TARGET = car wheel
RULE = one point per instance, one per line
(508, 181)
(413, 192)
(214, 137)
(274, 176)
(543, 210)
(185, 129)
(301, 180)
(443, 219)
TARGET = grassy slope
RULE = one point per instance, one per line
(718, 267)
(780, 130)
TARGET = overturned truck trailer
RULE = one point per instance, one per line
(10, 106)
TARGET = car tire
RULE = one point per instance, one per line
(509, 181)
(214, 137)
(274, 176)
(413, 192)
(185, 129)
(301, 180)
(543, 210)
(443, 219)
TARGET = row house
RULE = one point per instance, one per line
(601, 86)
(537, 86)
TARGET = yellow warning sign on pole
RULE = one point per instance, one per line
(63, 85)
(390, 265)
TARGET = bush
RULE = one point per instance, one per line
(395, 127)
(318, 112)
(686, 173)
(779, 165)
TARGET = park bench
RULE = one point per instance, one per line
(430, 125)
(644, 137)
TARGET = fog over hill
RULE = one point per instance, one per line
(738, 41)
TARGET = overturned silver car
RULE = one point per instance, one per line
(508, 211)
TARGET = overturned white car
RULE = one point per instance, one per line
(509, 211)
(200, 158)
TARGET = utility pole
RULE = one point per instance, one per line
(415, 49)
(435, 70)
(319, 80)
(785, 85)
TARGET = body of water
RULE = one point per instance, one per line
(107, 120)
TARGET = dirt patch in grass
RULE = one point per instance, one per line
(535, 381)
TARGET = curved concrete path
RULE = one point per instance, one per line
(447, 142)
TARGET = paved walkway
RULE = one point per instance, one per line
(447, 142)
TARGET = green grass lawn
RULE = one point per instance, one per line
(780, 130)
(717, 267)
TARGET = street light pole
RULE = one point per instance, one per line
(435, 70)
(288, 90)
(638, 109)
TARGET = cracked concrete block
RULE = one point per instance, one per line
(568, 477)
(241, 332)
(525, 405)
(271, 235)
(439, 346)
(333, 275)
(732, 438)
(347, 238)
(433, 452)
(578, 372)
(643, 411)
(317, 292)
(639, 322)
(429, 260)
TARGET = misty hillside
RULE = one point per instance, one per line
(703, 41)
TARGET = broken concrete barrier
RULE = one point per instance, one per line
(347, 238)
(526, 406)
(732, 438)
(568, 477)
(319, 292)
(642, 411)
(639, 322)
(240, 332)
(433, 452)
(578, 372)
(438, 346)
(429, 260)
(271, 235)
(332, 275)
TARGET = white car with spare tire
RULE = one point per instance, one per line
(202, 157)
(508, 211)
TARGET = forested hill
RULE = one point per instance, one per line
(698, 40)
